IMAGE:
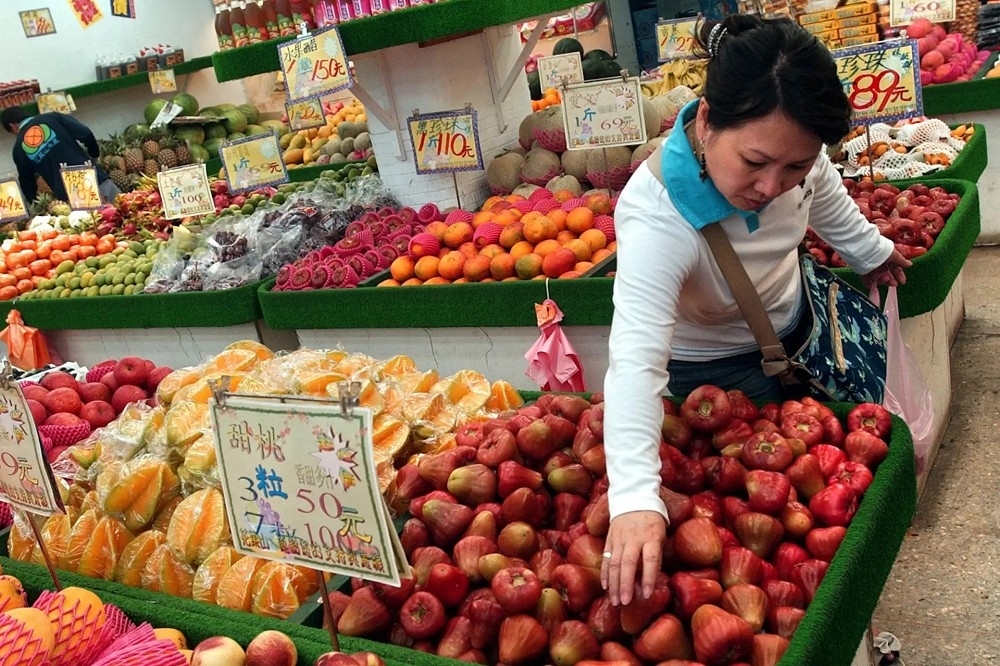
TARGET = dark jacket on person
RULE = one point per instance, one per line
(46, 141)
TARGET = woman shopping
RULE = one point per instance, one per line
(749, 155)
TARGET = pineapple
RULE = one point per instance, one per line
(151, 167)
(183, 153)
(167, 158)
(134, 159)
(40, 206)
(121, 178)
(150, 149)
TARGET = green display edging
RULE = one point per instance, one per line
(304, 174)
(971, 162)
(949, 98)
(584, 302)
(829, 632)
(195, 309)
(129, 81)
(416, 24)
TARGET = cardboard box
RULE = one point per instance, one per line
(817, 17)
(858, 41)
(858, 31)
(175, 58)
(821, 26)
(856, 9)
(855, 21)
(829, 38)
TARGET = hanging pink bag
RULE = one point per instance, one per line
(906, 392)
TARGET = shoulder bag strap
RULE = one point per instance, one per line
(775, 359)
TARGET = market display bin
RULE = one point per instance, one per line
(828, 634)
(971, 162)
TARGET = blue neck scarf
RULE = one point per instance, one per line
(697, 200)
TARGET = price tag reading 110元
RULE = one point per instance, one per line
(314, 65)
(882, 81)
(300, 485)
(446, 141)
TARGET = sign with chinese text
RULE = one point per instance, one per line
(603, 114)
(12, 205)
(552, 70)
(300, 486)
(37, 22)
(86, 11)
(882, 81)
(314, 65)
(446, 141)
(903, 12)
(25, 481)
(123, 8)
(162, 81)
(81, 187)
(305, 114)
(675, 39)
(55, 102)
(185, 192)
(253, 162)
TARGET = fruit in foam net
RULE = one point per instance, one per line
(27, 636)
(77, 616)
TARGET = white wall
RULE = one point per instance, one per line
(67, 58)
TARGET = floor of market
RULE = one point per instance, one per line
(942, 599)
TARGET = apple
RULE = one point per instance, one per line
(62, 419)
(98, 413)
(63, 400)
(271, 648)
(91, 391)
(218, 651)
(58, 379)
(155, 376)
(38, 411)
(125, 394)
(131, 370)
(110, 381)
(35, 392)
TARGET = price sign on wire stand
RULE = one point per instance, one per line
(185, 191)
(253, 162)
(81, 187)
(13, 207)
(553, 69)
(602, 114)
(162, 81)
(882, 81)
(903, 12)
(305, 114)
(299, 481)
(55, 102)
(446, 141)
(314, 64)
(675, 39)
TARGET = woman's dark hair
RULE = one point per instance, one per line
(759, 65)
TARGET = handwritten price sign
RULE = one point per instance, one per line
(446, 141)
(12, 205)
(603, 114)
(253, 162)
(315, 65)
(82, 187)
(903, 12)
(55, 103)
(162, 81)
(881, 80)
(185, 192)
(25, 481)
(300, 486)
(305, 114)
(675, 39)
(553, 69)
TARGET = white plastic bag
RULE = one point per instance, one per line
(906, 392)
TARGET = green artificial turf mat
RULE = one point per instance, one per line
(975, 95)
(415, 24)
(970, 164)
(194, 309)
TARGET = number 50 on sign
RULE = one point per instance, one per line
(882, 81)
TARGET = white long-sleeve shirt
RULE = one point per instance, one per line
(671, 300)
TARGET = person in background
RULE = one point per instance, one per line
(44, 142)
(748, 155)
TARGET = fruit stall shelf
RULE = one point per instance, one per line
(128, 81)
(299, 175)
(969, 164)
(828, 634)
(194, 309)
(584, 301)
(420, 23)
(948, 98)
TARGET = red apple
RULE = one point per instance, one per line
(63, 400)
(38, 411)
(155, 376)
(58, 379)
(125, 395)
(131, 370)
(92, 391)
(98, 413)
(63, 419)
(35, 392)
(109, 380)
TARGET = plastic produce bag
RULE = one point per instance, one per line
(26, 346)
(906, 392)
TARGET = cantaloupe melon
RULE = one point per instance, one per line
(540, 166)
(525, 189)
(548, 129)
(609, 167)
(651, 117)
(503, 173)
(574, 163)
(525, 131)
(640, 154)
(565, 183)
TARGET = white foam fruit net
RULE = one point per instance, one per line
(929, 137)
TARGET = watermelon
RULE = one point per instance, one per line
(199, 153)
(137, 130)
(567, 45)
(250, 111)
(187, 102)
(212, 146)
(153, 109)
(215, 131)
(597, 54)
(234, 121)
(193, 134)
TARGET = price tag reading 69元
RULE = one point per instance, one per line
(82, 187)
(314, 65)
(185, 192)
(253, 162)
(12, 205)
(25, 481)
(300, 486)
(675, 39)
(601, 114)
(882, 81)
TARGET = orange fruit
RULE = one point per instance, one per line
(613, 246)
(458, 233)
(412, 282)
(468, 249)
(568, 275)
(559, 217)
(450, 266)
(476, 268)
(599, 203)
(105, 546)
(565, 236)
(426, 267)
(539, 229)
(595, 238)
(580, 219)
(546, 247)
(488, 204)
(388, 283)
(198, 526)
(210, 572)
(437, 229)
(512, 234)
(491, 250)
(583, 266)
(78, 617)
(600, 255)
(521, 248)
(128, 570)
(481, 217)
(502, 266)
(437, 279)
(528, 266)
(233, 590)
(557, 262)
(580, 248)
